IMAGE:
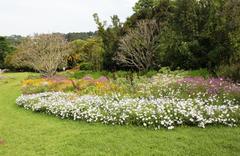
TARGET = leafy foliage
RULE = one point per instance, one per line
(5, 49)
(194, 33)
(88, 54)
(110, 37)
(81, 35)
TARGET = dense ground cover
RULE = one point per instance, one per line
(156, 99)
(26, 133)
(148, 112)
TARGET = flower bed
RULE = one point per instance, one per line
(167, 112)
(39, 85)
(211, 85)
(86, 85)
(163, 100)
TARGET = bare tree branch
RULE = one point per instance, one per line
(137, 49)
(44, 53)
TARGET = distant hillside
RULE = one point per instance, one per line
(79, 35)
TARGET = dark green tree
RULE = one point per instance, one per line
(194, 33)
(110, 38)
(79, 35)
(5, 49)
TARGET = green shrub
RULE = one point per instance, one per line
(230, 71)
(121, 74)
(165, 70)
(97, 74)
(86, 66)
(81, 74)
(150, 73)
(197, 73)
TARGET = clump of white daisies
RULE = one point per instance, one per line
(167, 112)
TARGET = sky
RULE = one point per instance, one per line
(26, 17)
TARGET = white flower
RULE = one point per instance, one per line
(171, 127)
(158, 112)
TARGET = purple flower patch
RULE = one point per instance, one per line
(212, 85)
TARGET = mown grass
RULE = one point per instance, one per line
(26, 133)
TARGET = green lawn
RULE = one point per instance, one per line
(28, 133)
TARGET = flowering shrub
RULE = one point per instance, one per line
(148, 112)
(212, 85)
(100, 86)
(179, 86)
(144, 86)
(86, 85)
(31, 86)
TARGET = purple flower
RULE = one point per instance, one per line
(212, 85)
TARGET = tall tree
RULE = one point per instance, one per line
(44, 53)
(87, 53)
(137, 49)
(110, 38)
(5, 48)
(81, 35)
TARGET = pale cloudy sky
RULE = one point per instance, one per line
(25, 17)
